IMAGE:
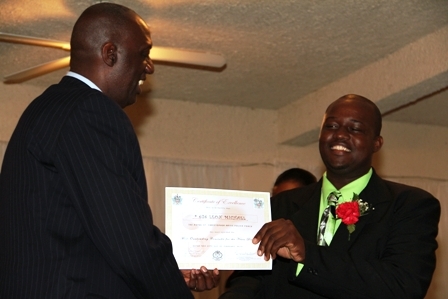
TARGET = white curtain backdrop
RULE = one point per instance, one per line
(161, 173)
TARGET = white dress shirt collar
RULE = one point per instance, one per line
(83, 79)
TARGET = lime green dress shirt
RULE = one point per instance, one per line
(346, 195)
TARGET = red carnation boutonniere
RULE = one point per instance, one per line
(349, 212)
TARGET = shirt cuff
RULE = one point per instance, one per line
(299, 268)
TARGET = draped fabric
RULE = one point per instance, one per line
(162, 172)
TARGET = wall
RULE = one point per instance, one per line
(413, 151)
(182, 130)
(203, 132)
(248, 138)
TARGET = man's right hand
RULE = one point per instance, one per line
(280, 237)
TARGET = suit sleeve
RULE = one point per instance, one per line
(100, 162)
(393, 255)
(247, 284)
(244, 284)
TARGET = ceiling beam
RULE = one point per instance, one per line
(415, 71)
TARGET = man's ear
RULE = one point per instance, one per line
(109, 54)
(378, 144)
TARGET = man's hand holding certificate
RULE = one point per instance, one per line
(215, 227)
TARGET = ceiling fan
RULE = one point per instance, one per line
(162, 55)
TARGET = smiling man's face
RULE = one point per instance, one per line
(132, 63)
(348, 138)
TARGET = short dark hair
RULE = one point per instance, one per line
(297, 175)
(376, 111)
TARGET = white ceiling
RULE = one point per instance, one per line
(277, 51)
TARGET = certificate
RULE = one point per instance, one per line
(215, 228)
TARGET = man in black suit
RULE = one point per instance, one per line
(75, 222)
(382, 247)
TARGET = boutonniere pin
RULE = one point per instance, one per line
(349, 212)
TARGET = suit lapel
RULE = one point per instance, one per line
(305, 218)
(374, 193)
(306, 201)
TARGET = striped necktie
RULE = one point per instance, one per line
(327, 222)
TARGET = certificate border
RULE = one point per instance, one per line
(171, 191)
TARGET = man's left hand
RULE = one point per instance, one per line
(201, 279)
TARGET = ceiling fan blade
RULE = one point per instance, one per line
(34, 41)
(38, 70)
(171, 55)
(158, 54)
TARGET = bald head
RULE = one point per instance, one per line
(110, 46)
(98, 24)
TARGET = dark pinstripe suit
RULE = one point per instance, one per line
(75, 221)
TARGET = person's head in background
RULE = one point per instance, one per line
(291, 179)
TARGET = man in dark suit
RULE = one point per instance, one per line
(382, 247)
(75, 222)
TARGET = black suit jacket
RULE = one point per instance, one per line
(391, 253)
(75, 222)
